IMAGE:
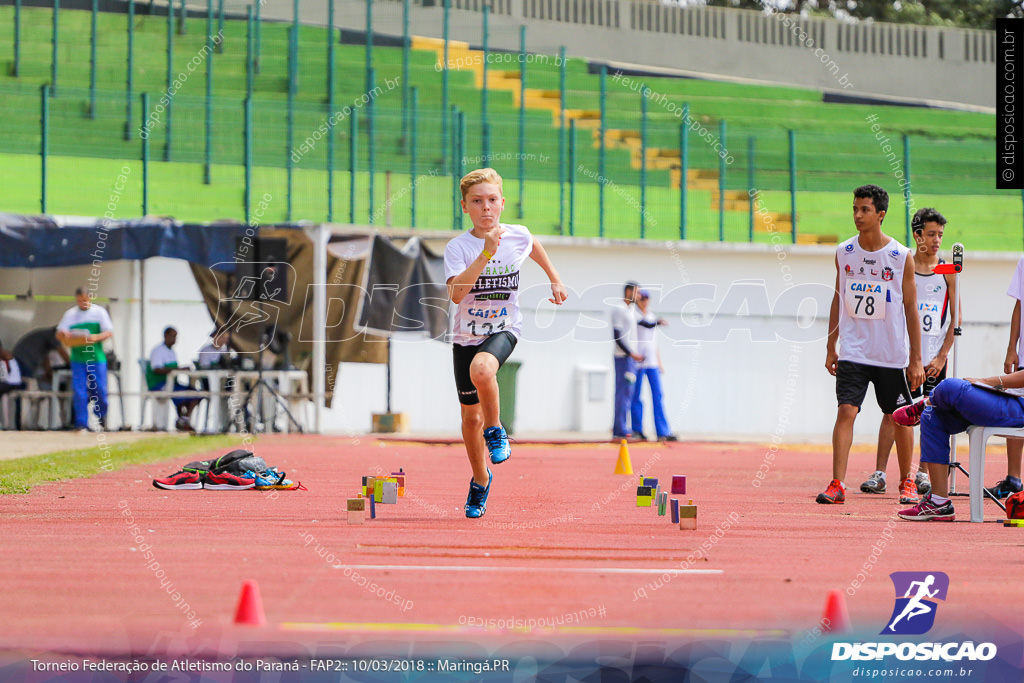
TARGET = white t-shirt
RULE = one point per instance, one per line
(1016, 291)
(646, 345)
(210, 355)
(10, 372)
(624, 320)
(162, 356)
(492, 305)
(75, 318)
(932, 313)
(92, 320)
(872, 322)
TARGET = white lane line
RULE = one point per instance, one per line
(499, 568)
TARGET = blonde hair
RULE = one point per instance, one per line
(480, 175)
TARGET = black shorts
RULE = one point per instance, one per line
(499, 345)
(891, 389)
(929, 384)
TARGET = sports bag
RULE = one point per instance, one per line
(1015, 506)
(236, 462)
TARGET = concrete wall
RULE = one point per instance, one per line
(919, 63)
(743, 352)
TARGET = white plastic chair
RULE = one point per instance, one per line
(978, 437)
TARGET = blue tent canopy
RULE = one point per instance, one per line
(57, 241)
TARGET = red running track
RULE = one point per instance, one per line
(563, 544)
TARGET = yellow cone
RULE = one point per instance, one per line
(623, 466)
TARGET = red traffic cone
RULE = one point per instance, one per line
(250, 608)
(836, 619)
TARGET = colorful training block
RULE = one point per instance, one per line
(678, 483)
(356, 516)
(399, 476)
(650, 481)
(662, 504)
(355, 504)
(644, 495)
(688, 517)
(389, 492)
(1013, 522)
(675, 511)
(378, 490)
(369, 483)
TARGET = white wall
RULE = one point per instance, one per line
(732, 347)
(728, 359)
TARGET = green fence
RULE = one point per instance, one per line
(244, 113)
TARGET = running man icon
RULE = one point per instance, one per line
(916, 607)
(914, 612)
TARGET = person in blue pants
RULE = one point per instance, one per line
(83, 329)
(626, 358)
(954, 405)
(650, 367)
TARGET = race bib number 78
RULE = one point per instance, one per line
(866, 299)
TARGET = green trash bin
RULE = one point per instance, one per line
(507, 394)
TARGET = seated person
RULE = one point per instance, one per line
(37, 351)
(954, 405)
(215, 352)
(10, 380)
(162, 360)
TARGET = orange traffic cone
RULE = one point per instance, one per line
(250, 608)
(836, 619)
(623, 466)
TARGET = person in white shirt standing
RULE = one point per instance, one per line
(651, 368)
(83, 329)
(936, 306)
(482, 271)
(626, 357)
(874, 320)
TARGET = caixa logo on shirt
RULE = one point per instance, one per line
(916, 604)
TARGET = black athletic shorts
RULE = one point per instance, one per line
(929, 384)
(891, 389)
(499, 345)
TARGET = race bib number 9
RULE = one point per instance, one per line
(866, 299)
(931, 318)
(485, 318)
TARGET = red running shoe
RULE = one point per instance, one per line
(908, 492)
(181, 480)
(835, 494)
(228, 482)
(910, 416)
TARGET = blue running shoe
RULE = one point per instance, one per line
(270, 478)
(497, 444)
(476, 503)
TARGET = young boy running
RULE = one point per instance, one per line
(936, 304)
(878, 312)
(482, 271)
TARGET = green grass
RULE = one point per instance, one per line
(21, 474)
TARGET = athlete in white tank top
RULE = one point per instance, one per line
(936, 296)
(873, 321)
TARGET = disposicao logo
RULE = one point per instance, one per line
(916, 596)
